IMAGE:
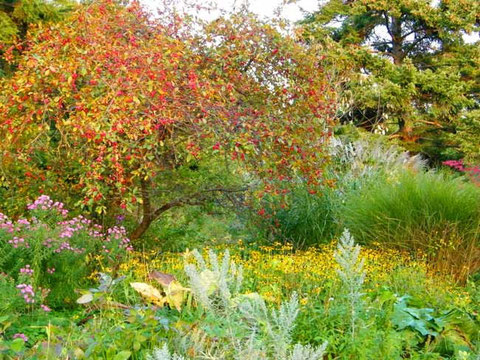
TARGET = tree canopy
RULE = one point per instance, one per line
(411, 71)
(16, 16)
(114, 109)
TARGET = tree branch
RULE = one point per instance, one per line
(387, 23)
(198, 198)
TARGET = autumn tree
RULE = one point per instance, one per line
(116, 109)
(411, 72)
(16, 16)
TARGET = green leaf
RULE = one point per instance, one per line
(17, 345)
(123, 355)
(85, 299)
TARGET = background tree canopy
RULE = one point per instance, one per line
(408, 69)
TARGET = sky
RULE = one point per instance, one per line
(291, 12)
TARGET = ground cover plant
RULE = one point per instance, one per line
(173, 187)
(410, 311)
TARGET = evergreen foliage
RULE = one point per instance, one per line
(407, 67)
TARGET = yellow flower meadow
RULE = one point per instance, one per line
(276, 271)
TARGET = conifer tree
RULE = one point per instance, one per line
(411, 67)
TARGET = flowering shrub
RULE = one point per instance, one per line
(473, 172)
(47, 254)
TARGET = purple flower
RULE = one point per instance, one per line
(26, 270)
(27, 292)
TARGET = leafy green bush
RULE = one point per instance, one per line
(195, 226)
(427, 211)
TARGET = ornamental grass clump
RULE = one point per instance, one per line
(308, 216)
(307, 219)
(49, 255)
(426, 212)
(356, 163)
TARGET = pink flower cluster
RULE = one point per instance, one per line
(48, 243)
(27, 270)
(81, 223)
(119, 233)
(71, 226)
(20, 336)
(5, 223)
(114, 238)
(18, 242)
(45, 203)
(455, 164)
(65, 246)
(23, 222)
(96, 232)
(460, 166)
(473, 171)
(27, 292)
(67, 232)
(3, 218)
(78, 235)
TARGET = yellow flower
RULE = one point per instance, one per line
(277, 270)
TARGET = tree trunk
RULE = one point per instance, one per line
(153, 215)
(398, 55)
(141, 228)
(147, 216)
(397, 41)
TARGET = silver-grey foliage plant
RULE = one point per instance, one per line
(351, 273)
(215, 285)
(164, 354)
(264, 334)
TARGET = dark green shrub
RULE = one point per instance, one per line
(306, 219)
